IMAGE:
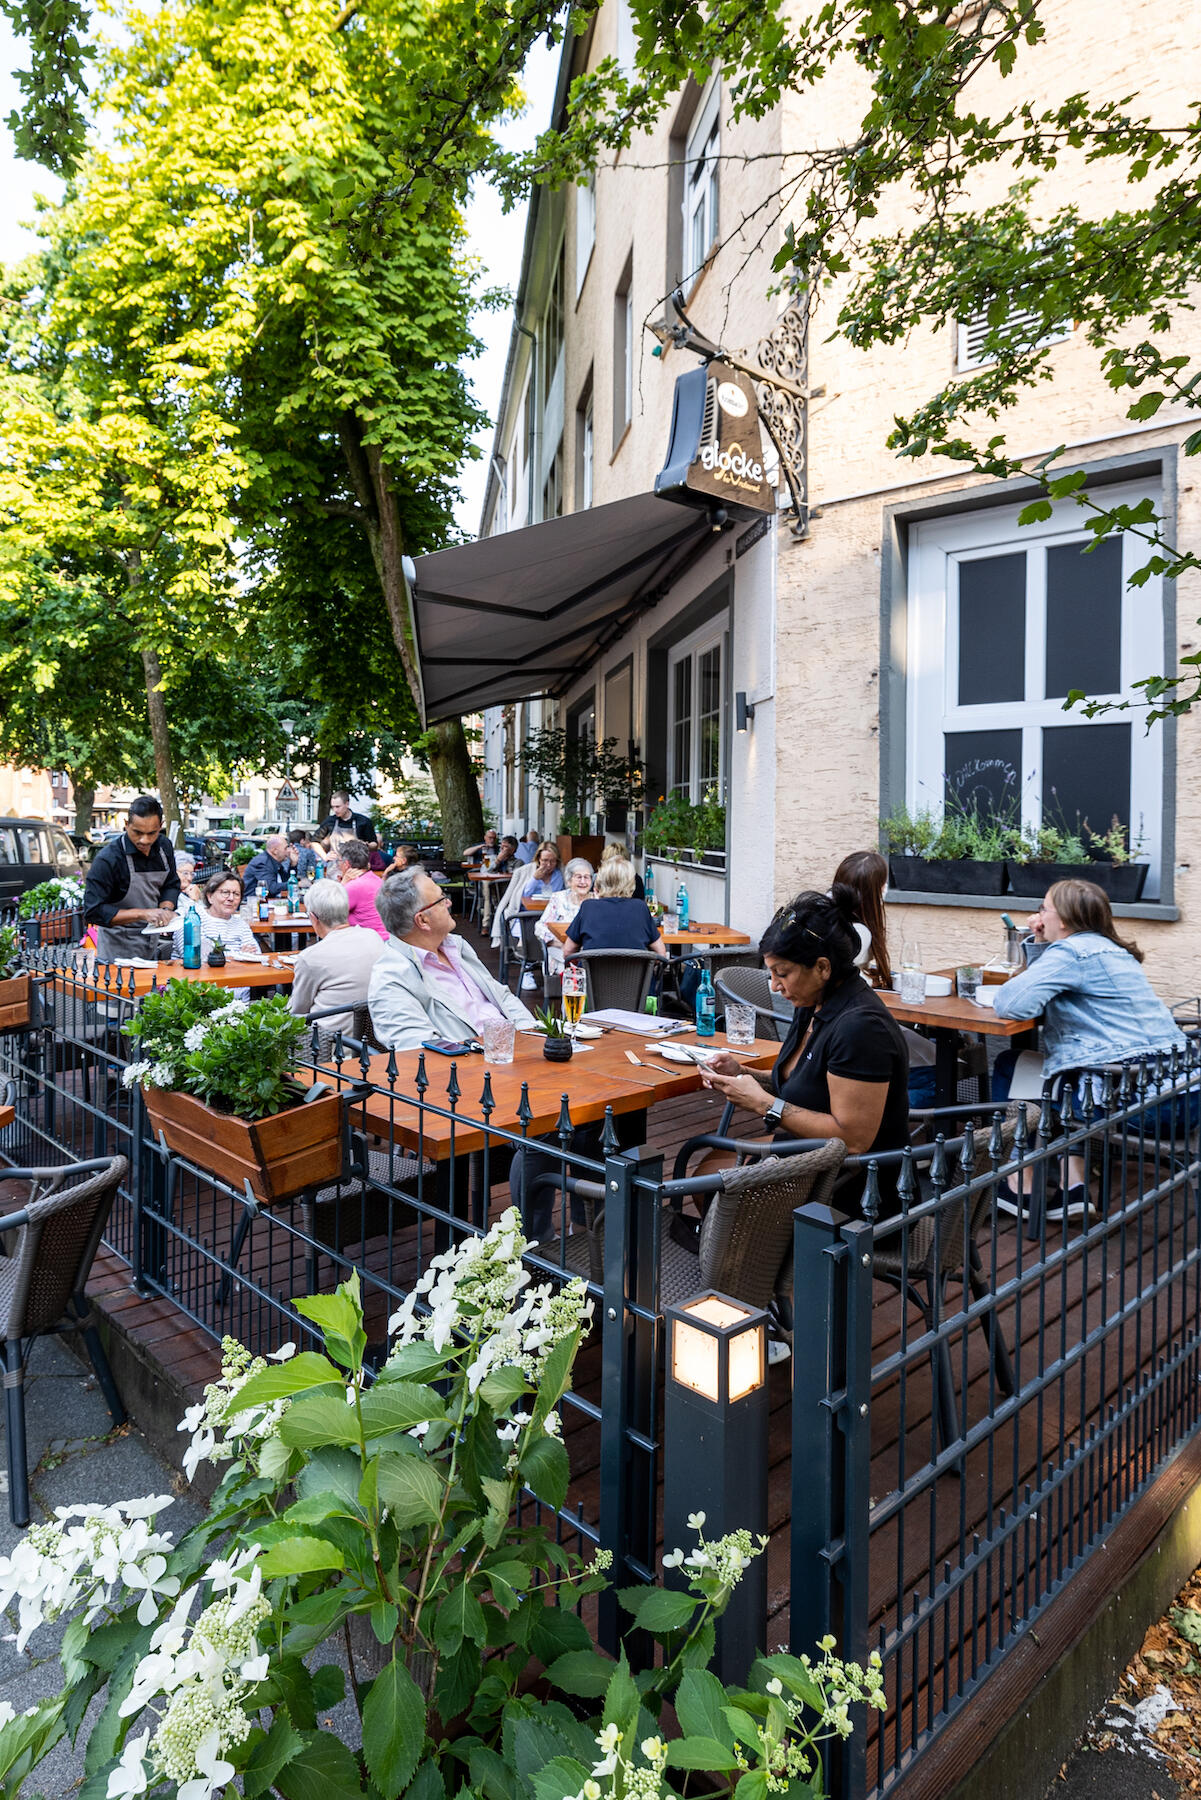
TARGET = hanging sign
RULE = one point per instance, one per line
(718, 453)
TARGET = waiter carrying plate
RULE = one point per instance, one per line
(132, 883)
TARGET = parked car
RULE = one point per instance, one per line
(31, 851)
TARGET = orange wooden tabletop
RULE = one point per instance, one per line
(7, 1115)
(597, 1077)
(263, 927)
(706, 934)
(954, 1014)
(233, 975)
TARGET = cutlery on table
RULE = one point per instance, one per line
(653, 1067)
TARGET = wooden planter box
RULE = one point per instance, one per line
(16, 1002)
(590, 848)
(278, 1156)
(52, 928)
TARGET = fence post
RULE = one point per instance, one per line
(819, 1371)
(611, 1526)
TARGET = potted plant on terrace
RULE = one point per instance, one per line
(16, 986)
(961, 853)
(677, 827)
(45, 911)
(1114, 863)
(1043, 854)
(556, 1045)
(216, 1077)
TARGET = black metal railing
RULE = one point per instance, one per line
(960, 1453)
(978, 1395)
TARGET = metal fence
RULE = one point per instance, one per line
(959, 1457)
(976, 1397)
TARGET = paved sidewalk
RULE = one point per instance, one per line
(74, 1455)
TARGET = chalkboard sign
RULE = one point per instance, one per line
(984, 773)
(1084, 618)
(1086, 775)
(992, 629)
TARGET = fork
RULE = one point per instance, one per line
(653, 1067)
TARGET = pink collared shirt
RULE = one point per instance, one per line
(446, 975)
(360, 897)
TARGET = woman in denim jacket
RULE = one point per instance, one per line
(1096, 1004)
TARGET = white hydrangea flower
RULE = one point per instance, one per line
(195, 1035)
(130, 1776)
(218, 1431)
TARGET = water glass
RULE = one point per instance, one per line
(967, 980)
(670, 921)
(913, 976)
(740, 1024)
(498, 1037)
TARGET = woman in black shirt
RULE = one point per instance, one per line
(843, 1070)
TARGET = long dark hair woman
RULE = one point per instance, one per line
(842, 1071)
(865, 872)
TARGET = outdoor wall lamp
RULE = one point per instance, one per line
(744, 711)
(715, 1451)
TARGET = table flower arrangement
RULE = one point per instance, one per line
(381, 1516)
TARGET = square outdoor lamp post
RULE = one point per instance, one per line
(715, 1451)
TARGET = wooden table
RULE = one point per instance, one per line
(948, 1018)
(486, 884)
(596, 1078)
(700, 935)
(233, 975)
(7, 1115)
(299, 923)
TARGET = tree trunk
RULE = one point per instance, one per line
(325, 787)
(164, 767)
(457, 789)
(83, 789)
(450, 759)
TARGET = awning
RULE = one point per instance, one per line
(524, 612)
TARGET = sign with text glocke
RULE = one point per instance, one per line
(719, 453)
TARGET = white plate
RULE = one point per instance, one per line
(985, 996)
(683, 1053)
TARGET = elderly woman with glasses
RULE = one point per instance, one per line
(843, 1071)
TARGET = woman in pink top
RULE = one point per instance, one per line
(362, 884)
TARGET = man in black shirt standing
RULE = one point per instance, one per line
(342, 819)
(132, 883)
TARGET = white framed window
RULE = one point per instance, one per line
(586, 449)
(1019, 328)
(626, 44)
(697, 726)
(585, 228)
(623, 352)
(702, 154)
(551, 345)
(1003, 622)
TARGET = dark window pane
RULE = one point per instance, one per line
(1086, 775)
(992, 629)
(984, 773)
(1084, 618)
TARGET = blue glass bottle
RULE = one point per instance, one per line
(191, 939)
(648, 882)
(293, 892)
(264, 904)
(682, 906)
(706, 1005)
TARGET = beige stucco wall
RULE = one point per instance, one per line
(829, 588)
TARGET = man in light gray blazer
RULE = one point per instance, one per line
(428, 983)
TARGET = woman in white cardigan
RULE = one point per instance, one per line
(561, 909)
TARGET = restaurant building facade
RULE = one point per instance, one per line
(900, 642)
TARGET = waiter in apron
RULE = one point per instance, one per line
(132, 883)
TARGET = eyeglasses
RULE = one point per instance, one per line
(442, 900)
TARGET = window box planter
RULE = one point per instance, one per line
(1123, 882)
(917, 874)
(279, 1155)
(688, 859)
(16, 1002)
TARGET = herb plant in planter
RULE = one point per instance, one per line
(1043, 855)
(957, 854)
(1114, 863)
(217, 1081)
(676, 825)
(16, 987)
(556, 1045)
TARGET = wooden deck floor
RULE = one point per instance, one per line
(950, 1522)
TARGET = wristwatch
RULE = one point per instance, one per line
(774, 1113)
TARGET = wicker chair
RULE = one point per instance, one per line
(744, 1247)
(752, 987)
(617, 978)
(941, 1248)
(718, 959)
(46, 1254)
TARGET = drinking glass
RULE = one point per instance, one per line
(498, 1037)
(913, 976)
(967, 980)
(574, 990)
(670, 921)
(740, 1024)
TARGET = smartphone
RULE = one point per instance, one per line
(449, 1047)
